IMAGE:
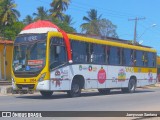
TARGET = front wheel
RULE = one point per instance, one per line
(46, 93)
(75, 90)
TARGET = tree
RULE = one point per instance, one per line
(107, 28)
(13, 30)
(8, 13)
(41, 14)
(92, 23)
(97, 26)
(68, 19)
(63, 25)
(28, 20)
(58, 7)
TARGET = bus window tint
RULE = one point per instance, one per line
(114, 56)
(145, 59)
(57, 57)
(151, 59)
(79, 52)
(98, 54)
(127, 59)
(139, 58)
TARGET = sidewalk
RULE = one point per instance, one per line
(5, 89)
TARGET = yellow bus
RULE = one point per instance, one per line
(49, 60)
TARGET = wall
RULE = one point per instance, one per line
(5, 60)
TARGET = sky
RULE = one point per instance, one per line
(117, 11)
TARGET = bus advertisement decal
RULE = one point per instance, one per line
(122, 75)
(101, 76)
(82, 67)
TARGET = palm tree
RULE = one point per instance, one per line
(28, 20)
(41, 14)
(8, 13)
(92, 23)
(68, 19)
(58, 7)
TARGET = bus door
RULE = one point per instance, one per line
(58, 59)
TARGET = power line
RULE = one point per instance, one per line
(135, 27)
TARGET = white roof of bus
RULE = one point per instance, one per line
(41, 26)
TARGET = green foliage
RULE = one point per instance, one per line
(58, 7)
(11, 31)
(91, 25)
(63, 25)
(107, 28)
(29, 19)
(42, 14)
(8, 13)
(94, 25)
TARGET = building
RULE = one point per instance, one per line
(6, 48)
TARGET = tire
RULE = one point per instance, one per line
(104, 91)
(131, 86)
(46, 93)
(75, 90)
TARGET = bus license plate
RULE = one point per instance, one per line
(24, 88)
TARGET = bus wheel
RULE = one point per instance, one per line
(131, 86)
(46, 93)
(104, 91)
(75, 90)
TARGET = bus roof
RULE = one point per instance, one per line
(106, 42)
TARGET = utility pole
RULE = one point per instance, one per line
(135, 27)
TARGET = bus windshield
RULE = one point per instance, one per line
(29, 56)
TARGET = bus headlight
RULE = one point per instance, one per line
(12, 78)
(42, 77)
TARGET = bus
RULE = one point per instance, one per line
(52, 60)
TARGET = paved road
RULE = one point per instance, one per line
(142, 100)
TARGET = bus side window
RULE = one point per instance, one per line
(89, 52)
(98, 54)
(127, 58)
(154, 59)
(151, 59)
(139, 61)
(114, 58)
(79, 52)
(144, 59)
(107, 49)
(133, 57)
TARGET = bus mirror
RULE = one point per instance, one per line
(58, 49)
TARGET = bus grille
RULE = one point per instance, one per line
(29, 86)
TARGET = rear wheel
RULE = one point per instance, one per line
(75, 90)
(104, 91)
(131, 86)
(46, 93)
